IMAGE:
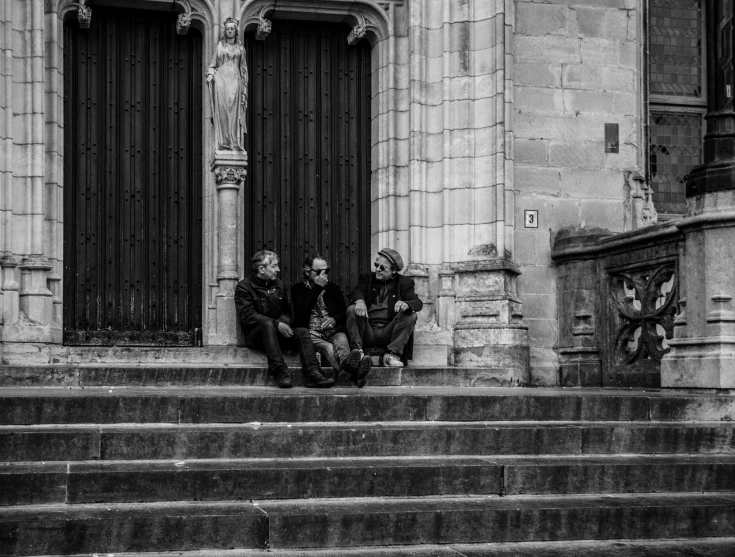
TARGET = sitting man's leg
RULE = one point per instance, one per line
(395, 336)
(325, 348)
(265, 337)
(357, 364)
(309, 364)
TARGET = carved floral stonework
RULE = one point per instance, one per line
(183, 22)
(85, 16)
(646, 303)
(264, 29)
(356, 35)
(229, 174)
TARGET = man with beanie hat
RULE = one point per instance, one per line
(383, 310)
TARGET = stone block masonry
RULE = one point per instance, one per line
(576, 67)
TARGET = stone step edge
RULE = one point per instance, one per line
(203, 464)
(200, 374)
(705, 547)
(366, 505)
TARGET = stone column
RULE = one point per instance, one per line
(703, 351)
(229, 172)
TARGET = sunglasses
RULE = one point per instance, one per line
(381, 267)
(320, 271)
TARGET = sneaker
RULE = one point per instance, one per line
(283, 378)
(315, 379)
(390, 359)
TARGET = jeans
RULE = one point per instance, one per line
(267, 338)
(393, 336)
(334, 349)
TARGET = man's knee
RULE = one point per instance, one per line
(409, 318)
(352, 314)
(301, 333)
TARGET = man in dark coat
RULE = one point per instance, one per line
(384, 310)
(318, 305)
(262, 307)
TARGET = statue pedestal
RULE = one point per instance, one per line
(229, 170)
(489, 330)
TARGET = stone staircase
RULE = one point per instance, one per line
(160, 459)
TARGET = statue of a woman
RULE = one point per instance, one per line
(227, 79)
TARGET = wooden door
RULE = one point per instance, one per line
(308, 183)
(132, 180)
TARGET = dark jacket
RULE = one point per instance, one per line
(304, 299)
(368, 289)
(258, 301)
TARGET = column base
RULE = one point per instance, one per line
(498, 346)
(699, 363)
(225, 330)
(580, 367)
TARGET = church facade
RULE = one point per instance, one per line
(555, 175)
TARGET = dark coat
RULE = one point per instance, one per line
(368, 289)
(258, 301)
(304, 299)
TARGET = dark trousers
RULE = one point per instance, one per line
(393, 336)
(267, 338)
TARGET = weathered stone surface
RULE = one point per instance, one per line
(120, 527)
(471, 520)
(279, 479)
(32, 484)
(629, 474)
(335, 440)
(655, 439)
(24, 444)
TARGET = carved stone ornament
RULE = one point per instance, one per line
(356, 35)
(183, 22)
(646, 303)
(84, 15)
(229, 174)
(264, 29)
(643, 211)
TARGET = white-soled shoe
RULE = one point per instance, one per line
(392, 360)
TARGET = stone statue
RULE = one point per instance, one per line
(227, 80)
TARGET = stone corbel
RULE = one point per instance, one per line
(356, 35)
(84, 14)
(231, 176)
(264, 29)
(183, 22)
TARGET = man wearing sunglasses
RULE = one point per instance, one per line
(319, 306)
(265, 315)
(384, 310)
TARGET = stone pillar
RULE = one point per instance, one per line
(703, 351)
(489, 330)
(229, 172)
(10, 288)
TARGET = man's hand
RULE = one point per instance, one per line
(285, 330)
(400, 306)
(360, 308)
(321, 280)
(328, 323)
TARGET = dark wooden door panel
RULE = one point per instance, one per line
(132, 180)
(308, 184)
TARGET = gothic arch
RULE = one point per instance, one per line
(366, 18)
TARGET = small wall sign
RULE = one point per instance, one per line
(531, 218)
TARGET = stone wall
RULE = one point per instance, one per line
(576, 68)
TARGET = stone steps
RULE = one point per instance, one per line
(703, 547)
(256, 479)
(194, 467)
(232, 375)
(102, 405)
(358, 439)
(359, 522)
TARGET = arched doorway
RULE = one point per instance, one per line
(132, 180)
(309, 127)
